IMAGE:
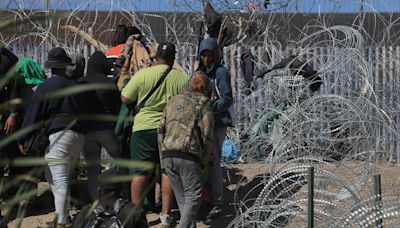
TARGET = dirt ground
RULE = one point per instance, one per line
(246, 173)
(249, 176)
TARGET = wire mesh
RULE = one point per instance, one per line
(347, 130)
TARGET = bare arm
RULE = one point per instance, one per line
(126, 100)
(161, 134)
(10, 125)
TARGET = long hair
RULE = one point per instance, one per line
(119, 35)
(132, 30)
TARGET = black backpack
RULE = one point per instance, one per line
(37, 143)
(105, 217)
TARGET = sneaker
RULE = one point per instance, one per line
(216, 210)
(165, 220)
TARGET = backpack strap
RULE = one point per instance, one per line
(119, 204)
(141, 105)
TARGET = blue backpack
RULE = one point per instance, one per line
(230, 151)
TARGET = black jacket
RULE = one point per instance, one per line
(49, 108)
(105, 101)
(7, 61)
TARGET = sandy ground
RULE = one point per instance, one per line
(244, 172)
(249, 176)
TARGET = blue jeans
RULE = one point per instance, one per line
(64, 150)
(95, 140)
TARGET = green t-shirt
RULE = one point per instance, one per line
(140, 85)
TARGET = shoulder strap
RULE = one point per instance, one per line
(216, 88)
(141, 105)
(119, 204)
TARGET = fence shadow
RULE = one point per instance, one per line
(233, 178)
(240, 187)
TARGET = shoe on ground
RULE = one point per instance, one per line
(53, 224)
(165, 220)
(216, 210)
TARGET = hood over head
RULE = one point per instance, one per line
(211, 45)
(7, 60)
(31, 71)
(98, 64)
(77, 67)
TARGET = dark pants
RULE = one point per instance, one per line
(215, 175)
(8, 155)
(144, 148)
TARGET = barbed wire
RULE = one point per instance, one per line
(347, 129)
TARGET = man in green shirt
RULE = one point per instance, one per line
(144, 146)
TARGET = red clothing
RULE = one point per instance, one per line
(112, 55)
(115, 51)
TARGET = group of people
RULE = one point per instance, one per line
(179, 122)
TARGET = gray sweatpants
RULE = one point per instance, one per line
(65, 147)
(186, 180)
(215, 178)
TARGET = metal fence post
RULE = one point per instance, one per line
(310, 211)
(378, 199)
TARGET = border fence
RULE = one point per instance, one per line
(336, 66)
